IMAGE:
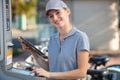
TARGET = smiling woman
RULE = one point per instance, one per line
(65, 57)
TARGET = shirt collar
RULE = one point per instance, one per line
(73, 30)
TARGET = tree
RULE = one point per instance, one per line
(27, 7)
(24, 9)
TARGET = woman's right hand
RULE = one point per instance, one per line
(25, 47)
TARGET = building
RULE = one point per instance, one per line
(98, 18)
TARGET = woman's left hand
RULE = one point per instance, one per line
(41, 72)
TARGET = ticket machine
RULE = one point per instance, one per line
(7, 72)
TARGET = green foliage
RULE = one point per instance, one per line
(16, 51)
(27, 7)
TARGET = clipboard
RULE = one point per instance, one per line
(37, 54)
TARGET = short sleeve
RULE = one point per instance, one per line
(83, 42)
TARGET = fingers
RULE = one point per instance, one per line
(33, 68)
(46, 60)
(25, 47)
(38, 71)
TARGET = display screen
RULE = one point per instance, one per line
(7, 16)
(0, 47)
(0, 23)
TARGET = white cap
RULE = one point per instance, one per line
(55, 4)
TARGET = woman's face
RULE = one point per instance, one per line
(59, 18)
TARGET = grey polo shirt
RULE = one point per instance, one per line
(62, 56)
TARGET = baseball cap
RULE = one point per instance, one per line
(55, 4)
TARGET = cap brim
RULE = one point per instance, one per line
(47, 11)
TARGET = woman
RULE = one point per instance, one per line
(68, 49)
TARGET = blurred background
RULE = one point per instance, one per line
(98, 18)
